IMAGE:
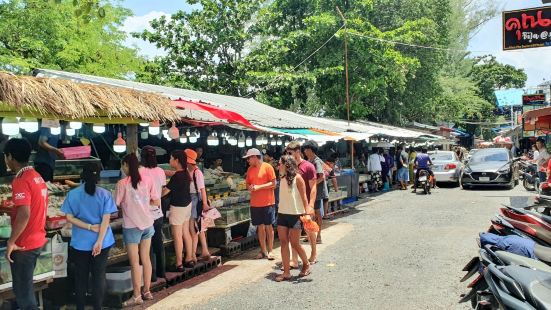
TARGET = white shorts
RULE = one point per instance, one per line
(179, 215)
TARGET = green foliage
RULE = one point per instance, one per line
(47, 34)
(205, 46)
(489, 75)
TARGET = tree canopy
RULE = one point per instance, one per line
(65, 35)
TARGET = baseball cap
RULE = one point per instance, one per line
(191, 156)
(252, 152)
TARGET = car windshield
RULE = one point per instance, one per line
(489, 155)
(441, 157)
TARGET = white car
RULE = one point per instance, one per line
(446, 166)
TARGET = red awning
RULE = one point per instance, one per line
(537, 119)
(229, 116)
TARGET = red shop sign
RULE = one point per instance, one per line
(527, 28)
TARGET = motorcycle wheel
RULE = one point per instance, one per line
(426, 188)
(528, 186)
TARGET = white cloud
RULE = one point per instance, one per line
(140, 23)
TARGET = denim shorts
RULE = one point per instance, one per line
(290, 221)
(262, 215)
(135, 235)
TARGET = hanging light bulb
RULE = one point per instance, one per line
(212, 140)
(192, 139)
(70, 131)
(188, 133)
(258, 140)
(232, 140)
(279, 142)
(144, 135)
(273, 142)
(165, 133)
(197, 133)
(55, 130)
(10, 126)
(183, 139)
(242, 141)
(98, 128)
(29, 124)
(249, 141)
(264, 140)
(154, 128)
(75, 125)
(119, 145)
(173, 132)
(144, 124)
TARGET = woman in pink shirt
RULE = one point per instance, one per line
(135, 194)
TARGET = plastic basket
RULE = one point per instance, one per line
(77, 152)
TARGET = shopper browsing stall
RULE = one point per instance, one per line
(308, 172)
(135, 194)
(261, 181)
(292, 205)
(88, 209)
(157, 176)
(310, 149)
(199, 204)
(180, 210)
(30, 199)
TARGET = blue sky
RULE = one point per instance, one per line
(536, 62)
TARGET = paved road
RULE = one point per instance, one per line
(400, 251)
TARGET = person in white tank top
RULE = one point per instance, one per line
(292, 205)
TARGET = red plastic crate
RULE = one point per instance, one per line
(77, 152)
(56, 222)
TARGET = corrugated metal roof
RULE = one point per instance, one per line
(256, 112)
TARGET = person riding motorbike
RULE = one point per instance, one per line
(422, 162)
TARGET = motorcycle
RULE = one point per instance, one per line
(425, 181)
(529, 176)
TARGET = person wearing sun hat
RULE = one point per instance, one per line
(261, 182)
(198, 195)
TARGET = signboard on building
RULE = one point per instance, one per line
(527, 28)
(537, 99)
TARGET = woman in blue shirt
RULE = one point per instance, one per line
(89, 209)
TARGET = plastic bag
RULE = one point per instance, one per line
(208, 217)
(59, 255)
(309, 224)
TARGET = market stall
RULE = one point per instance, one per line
(74, 112)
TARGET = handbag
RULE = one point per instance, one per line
(199, 206)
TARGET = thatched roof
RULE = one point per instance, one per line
(64, 99)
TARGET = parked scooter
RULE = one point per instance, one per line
(529, 176)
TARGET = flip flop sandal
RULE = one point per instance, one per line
(260, 256)
(133, 301)
(205, 258)
(189, 264)
(147, 296)
(281, 278)
(290, 268)
(270, 256)
(179, 268)
(306, 273)
(313, 262)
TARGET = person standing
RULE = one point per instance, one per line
(412, 157)
(135, 194)
(157, 176)
(28, 218)
(374, 169)
(308, 173)
(200, 160)
(310, 149)
(542, 158)
(198, 194)
(329, 175)
(293, 205)
(46, 154)
(403, 173)
(261, 182)
(88, 209)
(180, 210)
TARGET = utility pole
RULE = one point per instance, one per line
(346, 82)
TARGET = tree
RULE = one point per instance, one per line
(37, 33)
(204, 47)
(489, 75)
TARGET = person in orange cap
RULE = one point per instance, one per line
(199, 203)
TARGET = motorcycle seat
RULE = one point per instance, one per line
(543, 253)
(535, 284)
(514, 259)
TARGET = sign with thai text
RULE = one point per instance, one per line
(533, 99)
(527, 28)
